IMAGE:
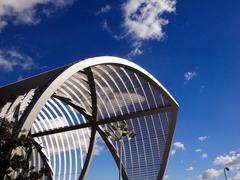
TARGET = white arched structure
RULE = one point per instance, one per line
(66, 110)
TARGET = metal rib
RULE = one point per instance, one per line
(96, 73)
(143, 143)
(112, 150)
(154, 128)
(128, 111)
(168, 143)
(150, 141)
(48, 105)
(115, 71)
(54, 107)
(93, 119)
(51, 139)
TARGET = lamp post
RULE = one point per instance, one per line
(226, 169)
(117, 132)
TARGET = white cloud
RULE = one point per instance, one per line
(202, 138)
(204, 155)
(105, 26)
(188, 76)
(19, 78)
(173, 152)
(6, 65)
(98, 148)
(237, 175)
(144, 19)
(2, 24)
(103, 10)
(228, 160)
(190, 168)
(165, 177)
(179, 145)
(11, 58)
(210, 174)
(198, 150)
(137, 49)
(135, 52)
(202, 88)
(176, 147)
(233, 152)
(24, 11)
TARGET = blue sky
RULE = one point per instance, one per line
(191, 47)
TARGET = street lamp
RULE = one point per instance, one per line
(117, 132)
(226, 169)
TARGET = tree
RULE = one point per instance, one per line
(15, 153)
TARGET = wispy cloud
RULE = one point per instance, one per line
(202, 138)
(103, 10)
(202, 88)
(19, 78)
(136, 49)
(98, 149)
(198, 150)
(190, 168)
(210, 174)
(204, 155)
(25, 11)
(188, 76)
(99, 146)
(105, 26)
(10, 59)
(176, 147)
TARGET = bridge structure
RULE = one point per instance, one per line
(68, 110)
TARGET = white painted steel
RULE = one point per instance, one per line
(72, 83)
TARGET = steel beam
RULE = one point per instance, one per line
(89, 155)
(92, 120)
(168, 143)
(137, 114)
(44, 158)
(113, 152)
(106, 121)
(60, 130)
(69, 102)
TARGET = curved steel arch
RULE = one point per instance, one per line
(55, 84)
(47, 91)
